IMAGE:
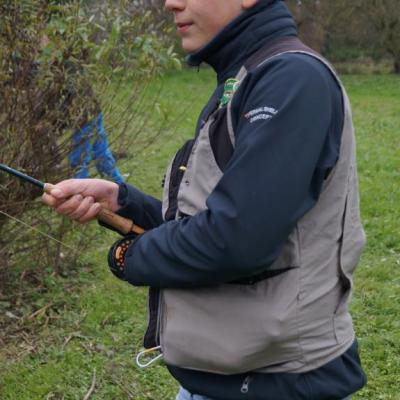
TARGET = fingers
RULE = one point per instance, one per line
(79, 199)
(69, 206)
(68, 188)
(63, 191)
(91, 213)
(78, 208)
(86, 211)
(83, 206)
(49, 200)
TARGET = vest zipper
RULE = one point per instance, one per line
(245, 386)
(159, 316)
(150, 337)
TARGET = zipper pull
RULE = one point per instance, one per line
(245, 385)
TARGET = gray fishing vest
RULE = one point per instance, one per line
(293, 321)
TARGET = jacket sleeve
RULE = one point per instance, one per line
(145, 210)
(273, 178)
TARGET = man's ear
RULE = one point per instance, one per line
(246, 4)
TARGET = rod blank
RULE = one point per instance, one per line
(22, 176)
(122, 224)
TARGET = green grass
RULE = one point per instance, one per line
(97, 322)
(376, 307)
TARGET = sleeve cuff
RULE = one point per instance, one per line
(143, 209)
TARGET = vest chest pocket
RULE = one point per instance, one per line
(211, 151)
(173, 179)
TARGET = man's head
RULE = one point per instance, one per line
(198, 21)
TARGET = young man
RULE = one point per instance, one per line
(249, 258)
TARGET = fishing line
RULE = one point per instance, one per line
(36, 230)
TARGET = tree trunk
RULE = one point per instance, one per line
(397, 65)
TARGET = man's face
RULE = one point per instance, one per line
(198, 21)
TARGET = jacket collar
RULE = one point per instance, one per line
(246, 34)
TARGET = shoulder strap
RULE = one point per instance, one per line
(279, 46)
(287, 44)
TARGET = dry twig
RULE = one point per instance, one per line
(40, 312)
(92, 387)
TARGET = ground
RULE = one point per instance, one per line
(88, 327)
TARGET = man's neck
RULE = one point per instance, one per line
(228, 51)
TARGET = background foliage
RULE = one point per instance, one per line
(62, 315)
(363, 31)
(89, 320)
(61, 63)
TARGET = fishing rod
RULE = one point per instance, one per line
(122, 224)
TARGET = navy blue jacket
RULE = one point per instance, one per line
(272, 179)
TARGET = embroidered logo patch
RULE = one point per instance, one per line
(261, 113)
(230, 88)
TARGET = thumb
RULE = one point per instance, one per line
(67, 188)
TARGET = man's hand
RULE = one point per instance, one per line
(82, 199)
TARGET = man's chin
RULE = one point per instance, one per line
(190, 47)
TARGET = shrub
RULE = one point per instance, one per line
(60, 63)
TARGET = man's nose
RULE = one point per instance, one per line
(175, 5)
